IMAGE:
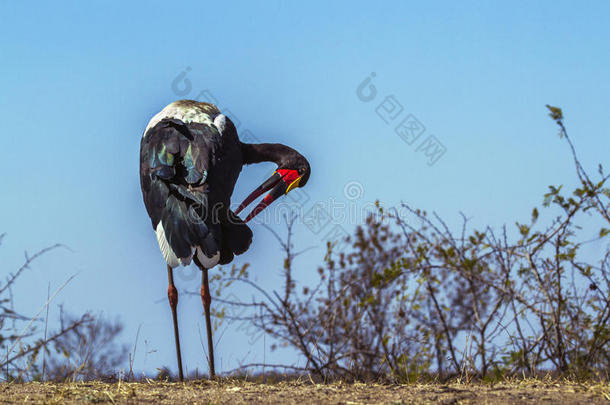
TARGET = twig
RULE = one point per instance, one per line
(133, 359)
(28, 261)
(46, 324)
(20, 336)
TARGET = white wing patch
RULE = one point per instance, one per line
(166, 250)
(208, 262)
(184, 114)
(220, 122)
(173, 261)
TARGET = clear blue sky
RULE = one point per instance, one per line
(79, 81)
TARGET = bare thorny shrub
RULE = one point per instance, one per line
(82, 347)
(412, 297)
(89, 352)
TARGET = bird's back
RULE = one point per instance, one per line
(190, 159)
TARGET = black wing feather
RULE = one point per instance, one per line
(173, 167)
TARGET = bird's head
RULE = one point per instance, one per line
(293, 171)
(296, 162)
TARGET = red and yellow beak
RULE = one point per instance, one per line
(280, 183)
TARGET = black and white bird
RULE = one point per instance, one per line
(190, 159)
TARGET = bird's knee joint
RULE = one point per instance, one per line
(206, 298)
(172, 295)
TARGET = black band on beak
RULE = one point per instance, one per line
(277, 191)
(267, 185)
(278, 183)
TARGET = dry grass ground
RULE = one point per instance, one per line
(298, 392)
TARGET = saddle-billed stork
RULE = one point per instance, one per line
(190, 158)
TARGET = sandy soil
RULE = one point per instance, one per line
(298, 392)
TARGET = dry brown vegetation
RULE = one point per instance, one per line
(473, 317)
(412, 295)
(235, 391)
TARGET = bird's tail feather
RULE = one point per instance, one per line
(185, 230)
(236, 237)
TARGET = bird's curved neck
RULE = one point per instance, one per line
(264, 152)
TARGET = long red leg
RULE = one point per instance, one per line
(172, 295)
(206, 299)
